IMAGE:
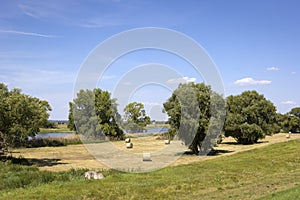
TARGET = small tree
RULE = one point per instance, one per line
(250, 117)
(135, 117)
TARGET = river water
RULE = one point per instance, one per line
(63, 134)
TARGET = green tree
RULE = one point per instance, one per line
(290, 122)
(71, 124)
(94, 113)
(21, 116)
(295, 112)
(250, 117)
(5, 120)
(108, 116)
(135, 117)
(281, 120)
(195, 112)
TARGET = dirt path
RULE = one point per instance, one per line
(77, 156)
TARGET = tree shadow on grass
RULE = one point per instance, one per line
(216, 152)
(213, 152)
(236, 143)
(41, 162)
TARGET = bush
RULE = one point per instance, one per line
(53, 141)
(250, 117)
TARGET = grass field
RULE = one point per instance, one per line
(60, 129)
(251, 174)
(77, 156)
(289, 194)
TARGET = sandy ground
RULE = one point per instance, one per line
(79, 156)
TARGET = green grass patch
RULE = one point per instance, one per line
(290, 194)
(58, 128)
(247, 175)
(54, 130)
(17, 173)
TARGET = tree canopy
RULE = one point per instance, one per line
(20, 116)
(295, 112)
(290, 122)
(71, 123)
(195, 111)
(94, 113)
(250, 116)
(135, 117)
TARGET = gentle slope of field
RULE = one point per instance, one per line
(77, 156)
(247, 175)
(289, 194)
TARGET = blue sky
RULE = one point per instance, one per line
(255, 45)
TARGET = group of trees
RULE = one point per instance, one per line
(195, 109)
(94, 113)
(290, 122)
(21, 116)
(195, 113)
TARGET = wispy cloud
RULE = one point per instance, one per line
(27, 33)
(43, 9)
(100, 22)
(273, 69)
(27, 10)
(100, 13)
(250, 81)
(288, 102)
(34, 79)
(181, 80)
(83, 16)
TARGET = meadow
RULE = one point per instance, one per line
(268, 170)
(59, 128)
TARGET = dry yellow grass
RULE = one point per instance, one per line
(77, 156)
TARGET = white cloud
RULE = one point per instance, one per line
(181, 80)
(126, 83)
(107, 77)
(288, 102)
(27, 33)
(151, 103)
(273, 69)
(250, 81)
